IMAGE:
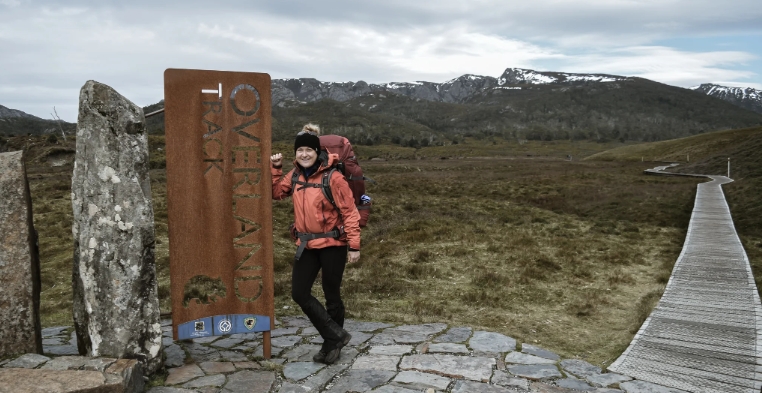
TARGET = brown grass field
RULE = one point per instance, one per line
(709, 154)
(567, 255)
(570, 256)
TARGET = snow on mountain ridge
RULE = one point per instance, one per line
(457, 89)
(748, 97)
(397, 85)
(470, 77)
(739, 92)
(591, 78)
(532, 77)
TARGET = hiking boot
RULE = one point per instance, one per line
(333, 355)
(319, 357)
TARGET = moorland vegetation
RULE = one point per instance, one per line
(484, 214)
(500, 235)
(710, 154)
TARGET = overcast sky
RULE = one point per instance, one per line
(49, 50)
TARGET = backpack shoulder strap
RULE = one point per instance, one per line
(326, 187)
(304, 184)
(294, 179)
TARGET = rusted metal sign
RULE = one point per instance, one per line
(218, 143)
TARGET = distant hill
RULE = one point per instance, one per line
(155, 123)
(709, 154)
(688, 151)
(519, 104)
(16, 122)
(748, 98)
(744, 193)
(15, 113)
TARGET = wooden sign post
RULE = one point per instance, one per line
(218, 128)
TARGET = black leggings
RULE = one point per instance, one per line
(327, 320)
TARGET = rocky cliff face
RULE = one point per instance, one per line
(748, 98)
(294, 91)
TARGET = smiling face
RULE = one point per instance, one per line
(306, 156)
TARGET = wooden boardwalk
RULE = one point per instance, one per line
(704, 335)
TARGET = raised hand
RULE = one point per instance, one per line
(277, 160)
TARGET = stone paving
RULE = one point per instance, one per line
(381, 357)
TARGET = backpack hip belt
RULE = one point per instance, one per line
(360, 178)
(305, 237)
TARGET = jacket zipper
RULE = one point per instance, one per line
(304, 200)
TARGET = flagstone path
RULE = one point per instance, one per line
(381, 357)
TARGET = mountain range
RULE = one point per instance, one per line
(459, 90)
(748, 98)
(520, 103)
(289, 91)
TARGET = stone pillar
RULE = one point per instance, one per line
(116, 304)
(19, 261)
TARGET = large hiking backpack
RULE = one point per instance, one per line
(351, 170)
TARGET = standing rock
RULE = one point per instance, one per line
(19, 261)
(116, 304)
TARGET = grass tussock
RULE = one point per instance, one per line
(645, 305)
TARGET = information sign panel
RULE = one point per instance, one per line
(218, 143)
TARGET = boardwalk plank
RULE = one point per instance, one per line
(691, 374)
(720, 349)
(651, 373)
(738, 366)
(703, 334)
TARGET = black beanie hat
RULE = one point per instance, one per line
(307, 139)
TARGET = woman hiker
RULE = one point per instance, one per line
(325, 235)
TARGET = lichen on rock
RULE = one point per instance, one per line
(116, 307)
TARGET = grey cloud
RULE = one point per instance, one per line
(47, 55)
(543, 19)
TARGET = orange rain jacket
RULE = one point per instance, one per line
(313, 212)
